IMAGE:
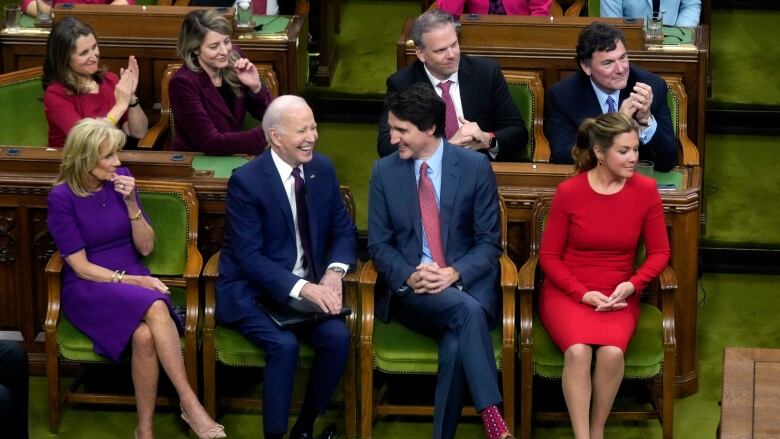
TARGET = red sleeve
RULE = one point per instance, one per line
(452, 7)
(25, 4)
(656, 242)
(539, 7)
(60, 109)
(556, 233)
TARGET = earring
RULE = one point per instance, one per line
(600, 162)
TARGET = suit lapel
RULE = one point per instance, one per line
(626, 92)
(408, 188)
(467, 89)
(213, 97)
(450, 179)
(592, 105)
(275, 184)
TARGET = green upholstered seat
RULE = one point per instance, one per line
(24, 123)
(235, 350)
(528, 95)
(594, 8)
(524, 100)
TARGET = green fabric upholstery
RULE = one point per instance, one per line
(643, 358)
(398, 349)
(222, 166)
(594, 8)
(674, 105)
(524, 99)
(23, 122)
(168, 214)
(235, 350)
(75, 346)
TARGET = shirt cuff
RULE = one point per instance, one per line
(295, 293)
(646, 134)
(493, 151)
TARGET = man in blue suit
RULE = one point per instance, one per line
(606, 82)
(289, 238)
(434, 236)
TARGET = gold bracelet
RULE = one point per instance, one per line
(113, 276)
(121, 275)
(136, 216)
(112, 119)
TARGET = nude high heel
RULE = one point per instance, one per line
(215, 432)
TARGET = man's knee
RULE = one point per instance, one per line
(283, 345)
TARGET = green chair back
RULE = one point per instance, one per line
(24, 123)
(594, 8)
(528, 95)
(524, 100)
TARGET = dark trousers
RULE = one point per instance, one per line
(460, 324)
(13, 390)
(330, 340)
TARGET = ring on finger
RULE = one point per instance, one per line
(122, 186)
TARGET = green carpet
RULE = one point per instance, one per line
(740, 179)
(744, 57)
(738, 310)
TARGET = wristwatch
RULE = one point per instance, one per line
(338, 270)
(133, 102)
(647, 123)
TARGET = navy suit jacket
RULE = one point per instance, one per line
(204, 122)
(573, 99)
(470, 224)
(484, 96)
(259, 250)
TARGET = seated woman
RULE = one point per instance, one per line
(589, 300)
(499, 7)
(211, 93)
(99, 226)
(676, 12)
(30, 7)
(75, 86)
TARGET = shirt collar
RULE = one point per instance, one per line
(283, 167)
(602, 97)
(435, 81)
(434, 161)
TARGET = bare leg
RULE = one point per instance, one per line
(607, 377)
(166, 340)
(145, 371)
(576, 387)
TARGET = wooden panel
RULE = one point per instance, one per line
(751, 394)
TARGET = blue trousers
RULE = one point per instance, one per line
(460, 324)
(330, 340)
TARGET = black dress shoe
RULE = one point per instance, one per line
(330, 432)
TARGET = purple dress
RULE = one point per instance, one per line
(107, 313)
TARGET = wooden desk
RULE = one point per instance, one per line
(751, 394)
(136, 30)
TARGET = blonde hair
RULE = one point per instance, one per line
(193, 31)
(82, 152)
(599, 132)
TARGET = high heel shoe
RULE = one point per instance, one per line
(215, 432)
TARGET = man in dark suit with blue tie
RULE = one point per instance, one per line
(289, 237)
(434, 236)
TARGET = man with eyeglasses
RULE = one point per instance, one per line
(605, 83)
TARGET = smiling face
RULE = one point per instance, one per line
(108, 161)
(214, 51)
(620, 159)
(608, 69)
(411, 141)
(440, 52)
(85, 56)
(294, 141)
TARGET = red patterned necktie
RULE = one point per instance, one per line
(259, 7)
(496, 7)
(451, 116)
(430, 216)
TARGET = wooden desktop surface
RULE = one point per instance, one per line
(751, 394)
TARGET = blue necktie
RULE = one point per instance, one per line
(302, 213)
(611, 105)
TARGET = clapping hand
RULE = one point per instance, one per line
(128, 82)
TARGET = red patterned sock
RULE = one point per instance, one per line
(493, 422)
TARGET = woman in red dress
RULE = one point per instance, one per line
(589, 301)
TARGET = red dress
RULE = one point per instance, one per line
(589, 243)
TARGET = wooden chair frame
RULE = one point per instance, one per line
(534, 83)
(210, 274)
(371, 405)
(157, 137)
(188, 280)
(689, 151)
(663, 289)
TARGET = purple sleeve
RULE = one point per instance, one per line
(61, 220)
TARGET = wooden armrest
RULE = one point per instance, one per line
(575, 10)
(690, 152)
(155, 133)
(368, 277)
(508, 289)
(541, 146)
(194, 263)
(526, 276)
(668, 281)
(526, 279)
(210, 273)
(53, 270)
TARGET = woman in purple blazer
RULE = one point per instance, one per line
(211, 93)
(511, 7)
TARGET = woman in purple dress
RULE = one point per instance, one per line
(97, 221)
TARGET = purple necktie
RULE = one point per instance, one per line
(430, 216)
(496, 7)
(303, 223)
(451, 116)
(610, 105)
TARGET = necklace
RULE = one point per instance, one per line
(89, 86)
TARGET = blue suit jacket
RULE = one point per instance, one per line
(570, 101)
(259, 251)
(470, 224)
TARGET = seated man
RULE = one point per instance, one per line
(604, 83)
(676, 12)
(289, 237)
(480, 112)
(440, 270)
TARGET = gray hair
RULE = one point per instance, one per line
(274, 114)
(428, 21)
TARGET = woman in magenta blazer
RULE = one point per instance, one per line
(512, 7)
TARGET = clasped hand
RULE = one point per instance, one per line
(613, 302)
(432, 279)
(470, 136)
(638, 103)
(326, 294)
(247, 74)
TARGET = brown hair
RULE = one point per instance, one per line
(59, 48)
(193, 31)
(599, 132)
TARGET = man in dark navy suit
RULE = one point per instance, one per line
(606, 82)
(434, 236)
(289, 238)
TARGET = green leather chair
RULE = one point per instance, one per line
(528, 94)
(650, 355)
(24, 123)
(228, 347)
(391, 348)
(173, 212)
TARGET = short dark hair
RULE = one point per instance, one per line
(597, 37)
(59, 47)
(421, 106)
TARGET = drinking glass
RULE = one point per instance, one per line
(645, 167)
(654, 28)
(244, 14)
(13, 15)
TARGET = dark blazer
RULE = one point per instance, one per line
(259, 251)
(203, 122)
(485, 99)
(470, 225)
(573, 99)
